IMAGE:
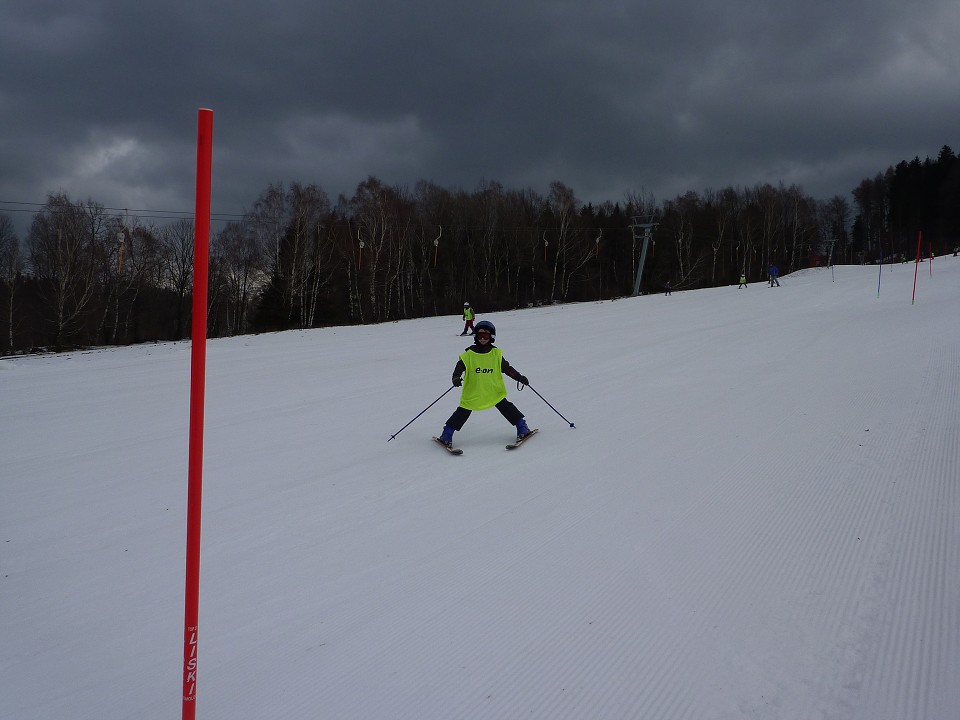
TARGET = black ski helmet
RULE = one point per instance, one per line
(485, 325)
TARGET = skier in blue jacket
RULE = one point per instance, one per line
(774, 272)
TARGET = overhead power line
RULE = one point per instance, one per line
(35, 207)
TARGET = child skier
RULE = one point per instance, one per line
(483, 387)
(743, 281)
(468, 316)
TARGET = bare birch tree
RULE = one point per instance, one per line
(563, 203)
(65, 247)
(12, 264)
(239, 256)
(374, 210)
(176, 262)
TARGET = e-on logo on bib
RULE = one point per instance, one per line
(483, 370)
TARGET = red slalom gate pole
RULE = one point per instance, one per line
(198, 362)
(916, 267)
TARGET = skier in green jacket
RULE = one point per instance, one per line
(480, 370)
(468, 316)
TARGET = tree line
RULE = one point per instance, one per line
(84, 276)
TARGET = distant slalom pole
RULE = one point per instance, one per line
(198, 361)
(916, 267)
(881, 272)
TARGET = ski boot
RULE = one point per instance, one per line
(446, 437)
(522, 429)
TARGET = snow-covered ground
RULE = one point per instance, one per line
(756, 516)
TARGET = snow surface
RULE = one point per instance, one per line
(756, 516)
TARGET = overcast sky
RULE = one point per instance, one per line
(99, 99)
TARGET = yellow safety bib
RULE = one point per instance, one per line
(483, 385)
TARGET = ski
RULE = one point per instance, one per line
(526, 437)
(451, 450)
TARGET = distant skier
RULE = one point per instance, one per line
(480, 370)
(743, 281)
(468, 316)
(774, 272)
(669, 288)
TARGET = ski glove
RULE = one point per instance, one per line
(523, 380)
(457, 381)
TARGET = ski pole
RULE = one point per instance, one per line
(422, 412)
(551, 406)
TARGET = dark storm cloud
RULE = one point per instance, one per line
(99, 99)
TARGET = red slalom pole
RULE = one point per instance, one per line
(916, 267)
(198, 362)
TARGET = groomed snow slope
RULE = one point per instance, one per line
(756, 516)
